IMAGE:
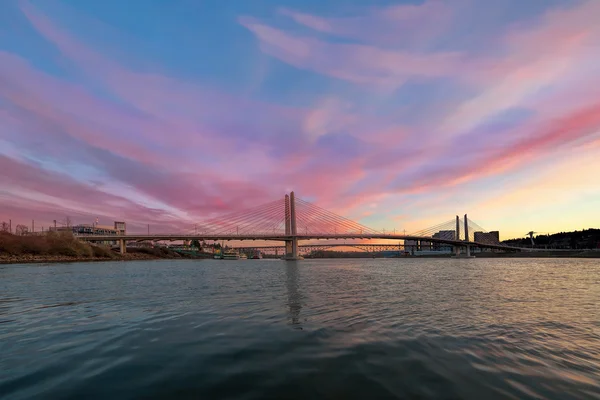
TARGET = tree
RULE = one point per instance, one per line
(21, 230)
(4, 227)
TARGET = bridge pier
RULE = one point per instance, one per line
(457, 233)
(291, 244)
(467, 237)
(122, 246)
(467, 246)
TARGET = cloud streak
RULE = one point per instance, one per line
(88, 133)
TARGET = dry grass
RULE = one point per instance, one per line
(52, 243)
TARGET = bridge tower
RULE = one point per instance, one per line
(467, 236)
(291, 244)
(288, 226)
(457, 248)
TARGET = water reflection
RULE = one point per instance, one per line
(383, 328)
(293, 293)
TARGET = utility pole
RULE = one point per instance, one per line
(32, 226)
(148, 229)
(195, 229)
(10, 226)
(54, 225)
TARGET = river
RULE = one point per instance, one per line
(335, 329)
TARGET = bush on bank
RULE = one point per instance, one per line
(51, 243)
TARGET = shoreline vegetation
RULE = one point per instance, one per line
(58, 247)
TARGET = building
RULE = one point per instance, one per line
(411, 245)
(121, 227)
(118, 228)
(492, 237)
(446, 235)
(420, 245)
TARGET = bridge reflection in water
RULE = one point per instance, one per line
(294, 300)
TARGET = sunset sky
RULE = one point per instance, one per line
(397, 114)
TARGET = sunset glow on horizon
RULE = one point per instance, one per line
(396, 114)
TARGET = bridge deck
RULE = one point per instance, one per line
(283, 238)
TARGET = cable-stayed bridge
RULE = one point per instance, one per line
(290, 220)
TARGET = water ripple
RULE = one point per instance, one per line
(355, 329)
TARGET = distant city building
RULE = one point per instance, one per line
(121, 227)
(410, 243)
(492, 237)
(118, 228)
(424, 245)
(446, 235)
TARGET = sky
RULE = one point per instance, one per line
(396, 114)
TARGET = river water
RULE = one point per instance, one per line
(335, 329)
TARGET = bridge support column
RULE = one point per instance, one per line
(467, 236)
(122, 246)
(457, 248)
(291, 245)
(288, 228)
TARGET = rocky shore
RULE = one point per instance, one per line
(30, 258)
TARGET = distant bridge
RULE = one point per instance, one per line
(306, 248)
(291, 220)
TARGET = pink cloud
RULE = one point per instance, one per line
(528, 52)
(536, 141)
(354, 62)
(181, 108)
(192, 150)
(403, 25)
(44, 196)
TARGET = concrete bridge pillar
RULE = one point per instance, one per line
(457, 248)
(288, 227)
(291, 245)
(467, 235)
(122, 246)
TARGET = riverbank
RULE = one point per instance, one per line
(45, 259)
(523, 254)
(132, 255)
(64, 247)
(542, 254)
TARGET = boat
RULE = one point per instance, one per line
(231, 255)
